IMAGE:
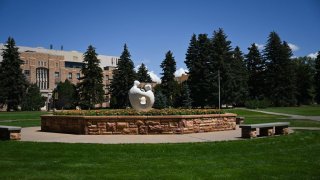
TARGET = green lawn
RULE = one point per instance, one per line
(23, 119)
(295, 156)
(257, 117)
(302, 110)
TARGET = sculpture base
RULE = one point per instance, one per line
(109, 125)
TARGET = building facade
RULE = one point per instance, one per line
(48, 67)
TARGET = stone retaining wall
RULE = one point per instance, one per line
(103, 125)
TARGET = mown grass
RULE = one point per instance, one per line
(23, 119)
(257, 117)
(295, 156)
(313, 110)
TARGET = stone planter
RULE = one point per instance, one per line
(104, 125)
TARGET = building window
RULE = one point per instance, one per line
(70, 75)
(27, 72)
(56, 74)
(42, 77)
(45, 63)
(27, 62)
(38, 63)
(78, 75)
(57, 64)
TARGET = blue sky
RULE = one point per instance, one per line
(151, 28)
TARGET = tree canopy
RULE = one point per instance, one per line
(123, 78)
(168, 83)
(143, 75)
(32, 101)
(280, 81)
(91, 90)
(12, 81)
(65, 95)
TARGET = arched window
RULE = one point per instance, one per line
(42, 78)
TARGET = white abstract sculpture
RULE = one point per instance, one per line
(141, 100)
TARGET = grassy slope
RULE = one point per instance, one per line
(257, 117)
(285, 157)
(23, 119)
(302, 110)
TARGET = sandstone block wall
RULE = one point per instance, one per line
(104, 125)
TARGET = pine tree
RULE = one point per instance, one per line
(197, 61)
(143, 75)
(123, 78)
(239, 78)
(317, 78)
(91, 86)
(185, 96)
(280, 75)
(221, 58)
(168, 83)
(304, 80)
(255, 68)
(32, 100)
(12, 81)
(160, 99)
(66, 95)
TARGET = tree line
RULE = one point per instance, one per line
(270, 77)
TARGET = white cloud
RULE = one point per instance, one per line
(313, 55)
(179, 72)
(137, 67)
(154, 77)
(293, 47)
(260, 46)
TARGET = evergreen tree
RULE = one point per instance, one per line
(91, 86)
(185, 96)
(32, 100)
(160, 99)
(12, 81)
(304, 80)
(123, 78)
(192, 54)
(197, 61)
(168, 83)
(280, 81)
(239, 78)
(255, 68)
(66, 95)
(221, 58)
(317, 78)
(143, 75)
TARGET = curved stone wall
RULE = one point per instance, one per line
(104, 125)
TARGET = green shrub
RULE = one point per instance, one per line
(132, 112)
(255, 103)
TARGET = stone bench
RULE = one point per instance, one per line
(10, 133)
(265, 129)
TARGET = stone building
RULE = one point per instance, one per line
(48, 67)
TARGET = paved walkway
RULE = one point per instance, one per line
(34, 134)
(291, 116)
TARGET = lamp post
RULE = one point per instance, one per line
(219, 86)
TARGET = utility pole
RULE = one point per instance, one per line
(219, 86)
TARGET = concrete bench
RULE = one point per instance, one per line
(265, 129)
(10, 133)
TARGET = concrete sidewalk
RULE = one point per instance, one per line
(34, 134)
(291, 116)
